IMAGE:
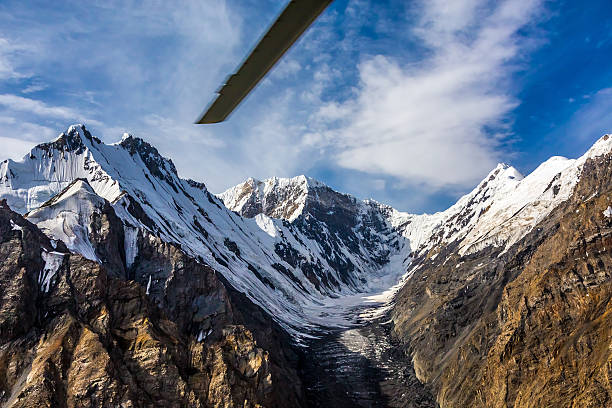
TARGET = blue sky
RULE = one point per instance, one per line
(411, 103)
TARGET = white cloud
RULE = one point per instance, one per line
(287, 68)
(431, 122)
(9, 52)
(24, 136)
(14, 148)
(17, 103)
(34, 87)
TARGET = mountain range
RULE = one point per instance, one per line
(123, 284)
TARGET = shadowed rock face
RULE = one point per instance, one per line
(73, 335)
(529, 327)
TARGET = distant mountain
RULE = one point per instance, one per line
(277, 197)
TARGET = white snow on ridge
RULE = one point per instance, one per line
(266, 224)
(15, 227)
(502, 209)
(148, 195)
(280, 197)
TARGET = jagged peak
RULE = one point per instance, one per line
(303, 181)
(503, 172)
(73, 139)
(602, 146)
(253, 181)
(197, 184)
(282, 197)
(271, 185)
(149, 154)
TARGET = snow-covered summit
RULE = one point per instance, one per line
(502, 209)
(277, 197)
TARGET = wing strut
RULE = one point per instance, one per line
(288, 27)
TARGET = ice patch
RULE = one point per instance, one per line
(608, 212)
(53, 261)
(266, 224)
(203, 335)
(130, 245)
(15, 227)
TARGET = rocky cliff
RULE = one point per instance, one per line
(76, 333)
(528, 326)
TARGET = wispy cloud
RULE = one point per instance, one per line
(26, 135)
(9, 57)
(403, 102)
(34, 87)
(438, 121)
(100, 67)
(18, 103)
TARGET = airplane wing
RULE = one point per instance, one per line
(288, 27)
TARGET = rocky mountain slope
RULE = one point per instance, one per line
(157, 277)
(524, 324)
(74, 333)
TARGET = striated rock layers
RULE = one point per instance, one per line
(530, 326)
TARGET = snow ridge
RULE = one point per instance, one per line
(502, 209)
(277, 197)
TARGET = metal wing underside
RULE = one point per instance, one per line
(288, 27)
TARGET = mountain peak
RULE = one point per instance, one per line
(301, 180)
(504, 172)
(73, 139)
(602, 146)
(277, 197)
(158, 165)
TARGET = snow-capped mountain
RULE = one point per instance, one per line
(501, 210)
(302, 251)
(294, 270)
(276, 197)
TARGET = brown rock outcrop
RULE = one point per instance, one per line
(86, 338)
